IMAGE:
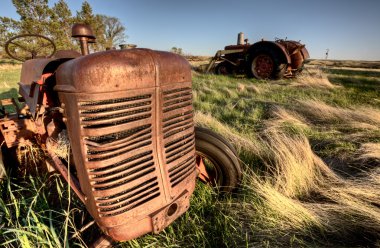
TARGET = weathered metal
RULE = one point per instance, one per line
(263, 66)
(129, 118)
(132, 136)
(240, 39)
(85, 35)
(203, 174)
(263, 59)
(128, 115)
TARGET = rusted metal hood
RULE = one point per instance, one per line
(129, 118)
(132, 69)
(33, 69)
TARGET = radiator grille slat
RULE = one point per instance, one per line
(108, 102)
(114, 198)
(96, 155)
(122, 208)
(187, 172)
(117, 120)
(121, 166)
(178, 132)
(139, 158)
(124, 179)
(181, 166)
(105, 109)
(128, 199)
(178, 118)
(123, 172)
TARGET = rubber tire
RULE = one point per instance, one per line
(279, 68)
(223, 156)
(223, 68)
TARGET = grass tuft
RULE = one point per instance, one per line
(313, 78)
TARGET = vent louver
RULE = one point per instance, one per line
(118, 161)
(178, 131)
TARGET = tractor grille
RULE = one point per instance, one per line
(119, 152)
(178, 132)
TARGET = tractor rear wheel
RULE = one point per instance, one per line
(217, 161)
(264, 64)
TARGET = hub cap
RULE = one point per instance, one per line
(262, 66)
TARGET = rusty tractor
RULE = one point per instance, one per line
(128, 115)
(262, 60)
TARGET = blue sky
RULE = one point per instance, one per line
(349, 29)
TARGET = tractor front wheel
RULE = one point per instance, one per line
(223, 68)
(217, 161)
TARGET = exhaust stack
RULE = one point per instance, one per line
(240, 39)
(85, 35)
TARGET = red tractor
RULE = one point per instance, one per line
(262, 60)
(128, 115)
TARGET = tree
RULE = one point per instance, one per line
(86, 16)
(8, 28)
(113, 31)
(61, 21)
(176, 50)
(36, 17)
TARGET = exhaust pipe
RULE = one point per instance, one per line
(240, 39)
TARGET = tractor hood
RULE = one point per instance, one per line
(119, 70)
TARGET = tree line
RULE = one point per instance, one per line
(36, 17)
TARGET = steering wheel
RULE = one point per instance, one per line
(30, 46)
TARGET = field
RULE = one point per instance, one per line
(310, 148)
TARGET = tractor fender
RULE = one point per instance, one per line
(278, 49)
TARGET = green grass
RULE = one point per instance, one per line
(285, 133)
(9, 77)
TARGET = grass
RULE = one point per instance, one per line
(9, 77)
(310, 148)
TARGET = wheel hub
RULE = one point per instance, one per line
(262, 66)
(206, 174)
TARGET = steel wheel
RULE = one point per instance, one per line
(223, 68)
(262, 66)
(217, 162)
(209, 170)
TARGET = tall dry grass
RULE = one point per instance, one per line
(239, 140)
(304, 194)
(313, 78)
(10, 66)
(318, 112)
(282, 117)
(296, 170)
(370, 151)
(296, 195)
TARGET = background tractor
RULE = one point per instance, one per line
(128, 116)
(262, 60)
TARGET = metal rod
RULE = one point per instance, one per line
(84, 45)
(59, 166)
